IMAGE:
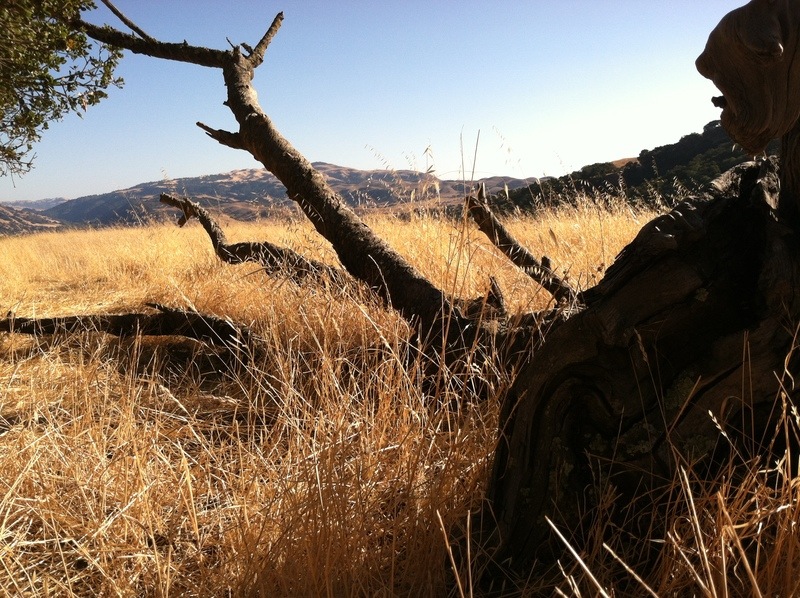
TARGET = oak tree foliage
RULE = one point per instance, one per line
(47, 70)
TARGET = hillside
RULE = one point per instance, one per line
(659, 175)
(36, 204)
(255, 193)
(17, 221)
(656, 176)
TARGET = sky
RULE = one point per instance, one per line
(523, 88)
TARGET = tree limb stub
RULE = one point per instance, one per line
(274, 259)
(223, 137)
(500, 236)
(365, 256)
(257, 54)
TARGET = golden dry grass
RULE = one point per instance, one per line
(321, 469)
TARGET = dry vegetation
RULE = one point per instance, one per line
(134, 467)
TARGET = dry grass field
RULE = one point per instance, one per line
(134, 467)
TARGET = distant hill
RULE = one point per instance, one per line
(18, 221)
(255, 193)
(663, 174)
(37, 204)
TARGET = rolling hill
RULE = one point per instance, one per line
(19, 221)
(255, 193)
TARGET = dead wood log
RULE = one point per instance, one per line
(165, 321)
(275, 260)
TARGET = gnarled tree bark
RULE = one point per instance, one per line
(695, 318)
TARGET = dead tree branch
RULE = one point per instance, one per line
(257, 54)
(130, 24)
(500, 236)
(180, 52)
(363, 254)
(275, 260)
(232, 140)
(166, 321)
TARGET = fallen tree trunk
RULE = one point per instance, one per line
(687, 334)
(165, 321)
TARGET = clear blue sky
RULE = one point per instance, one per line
(550, 85)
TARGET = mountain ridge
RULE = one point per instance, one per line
(248, 194)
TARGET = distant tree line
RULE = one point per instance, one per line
(661, 176)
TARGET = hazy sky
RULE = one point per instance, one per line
(550, 85)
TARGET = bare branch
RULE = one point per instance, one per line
(180, 52)
(257, 54)
(224, 137)
(275, 260)
(131, 25)
(499, 235)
